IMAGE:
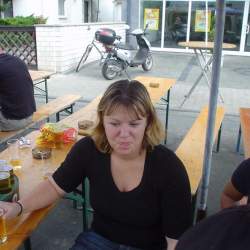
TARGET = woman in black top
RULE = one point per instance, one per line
(139, 190)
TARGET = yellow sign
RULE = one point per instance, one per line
(200, 21)
(151, 17)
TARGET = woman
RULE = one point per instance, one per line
(139, 190)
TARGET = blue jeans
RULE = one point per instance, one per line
(93, 241)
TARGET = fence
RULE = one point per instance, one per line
(20, 42)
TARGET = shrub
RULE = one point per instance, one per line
(23, 21)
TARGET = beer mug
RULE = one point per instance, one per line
(13, 151)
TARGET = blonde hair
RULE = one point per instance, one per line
(134, 96)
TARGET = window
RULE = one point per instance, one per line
(61, 7)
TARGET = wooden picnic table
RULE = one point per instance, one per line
(38, 77)
(20, 228)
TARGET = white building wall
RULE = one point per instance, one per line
(106, 10)
(49, 9)
(59, 47)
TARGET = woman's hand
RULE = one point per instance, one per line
(9, 209)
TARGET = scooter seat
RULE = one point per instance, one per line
(140, 57)
(125, 46)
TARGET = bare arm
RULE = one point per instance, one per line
(171, 243)
(43, 195)
(230, 196)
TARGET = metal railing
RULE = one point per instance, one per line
(20, 42)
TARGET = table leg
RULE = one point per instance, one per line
(167, 111)
(27, 244)
(204, 69)
(46, 90)
(238, 141)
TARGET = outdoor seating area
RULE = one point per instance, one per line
(124, 124)
(189, 145)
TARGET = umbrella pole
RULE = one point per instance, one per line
(220, 18)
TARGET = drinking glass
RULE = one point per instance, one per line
(44, 164)
(13, 151)
(3, 233)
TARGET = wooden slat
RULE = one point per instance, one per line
(86, 113)
(40, 75)
(191, 149)
(55, 106)
(156, 93)
(29, 176)
(245, 128)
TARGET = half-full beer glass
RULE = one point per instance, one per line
(13, 151)
(3, 233)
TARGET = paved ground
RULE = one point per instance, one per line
(60, 228)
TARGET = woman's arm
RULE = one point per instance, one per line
(230, 196)
(171, 243)
(43, 195)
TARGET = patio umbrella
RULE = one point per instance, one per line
(219, 31)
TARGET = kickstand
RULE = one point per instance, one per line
(128, 76)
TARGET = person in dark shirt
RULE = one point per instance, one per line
(17, 102)
(238, 187)
(228, 229)
(139, 189)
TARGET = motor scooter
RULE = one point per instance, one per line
(120, 56)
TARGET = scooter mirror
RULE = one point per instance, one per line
(127, 27)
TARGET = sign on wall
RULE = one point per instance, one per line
(151, 17)
(200, 20)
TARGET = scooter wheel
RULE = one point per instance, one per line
(148, 64)
(107, 71)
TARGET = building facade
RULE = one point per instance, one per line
(65, 11)
(172, 21)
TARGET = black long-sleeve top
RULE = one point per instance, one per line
(159, 206)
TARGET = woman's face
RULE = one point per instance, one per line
(124, 131)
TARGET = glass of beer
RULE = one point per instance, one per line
(44, 164)
(13, 151)
(3, 233)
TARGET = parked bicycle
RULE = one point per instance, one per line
(107, 47)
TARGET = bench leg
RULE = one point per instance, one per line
(218, 140)
(27, 244)
(68, 110)
(238, 141)
(46, 90)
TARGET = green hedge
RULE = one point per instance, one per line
(23, 21)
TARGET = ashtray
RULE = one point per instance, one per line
(154, 84)
(85, 124)
(39, 153)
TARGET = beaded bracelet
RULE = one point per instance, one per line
(21, 207)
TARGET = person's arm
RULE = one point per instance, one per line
(46, 193)
(171, 243)
(230, 196)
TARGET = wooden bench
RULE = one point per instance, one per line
(88, 112)
(62, 103)
(191, 149)
(245, 131)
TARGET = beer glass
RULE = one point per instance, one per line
(3, 234)
(44, 164)
(13, 151)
